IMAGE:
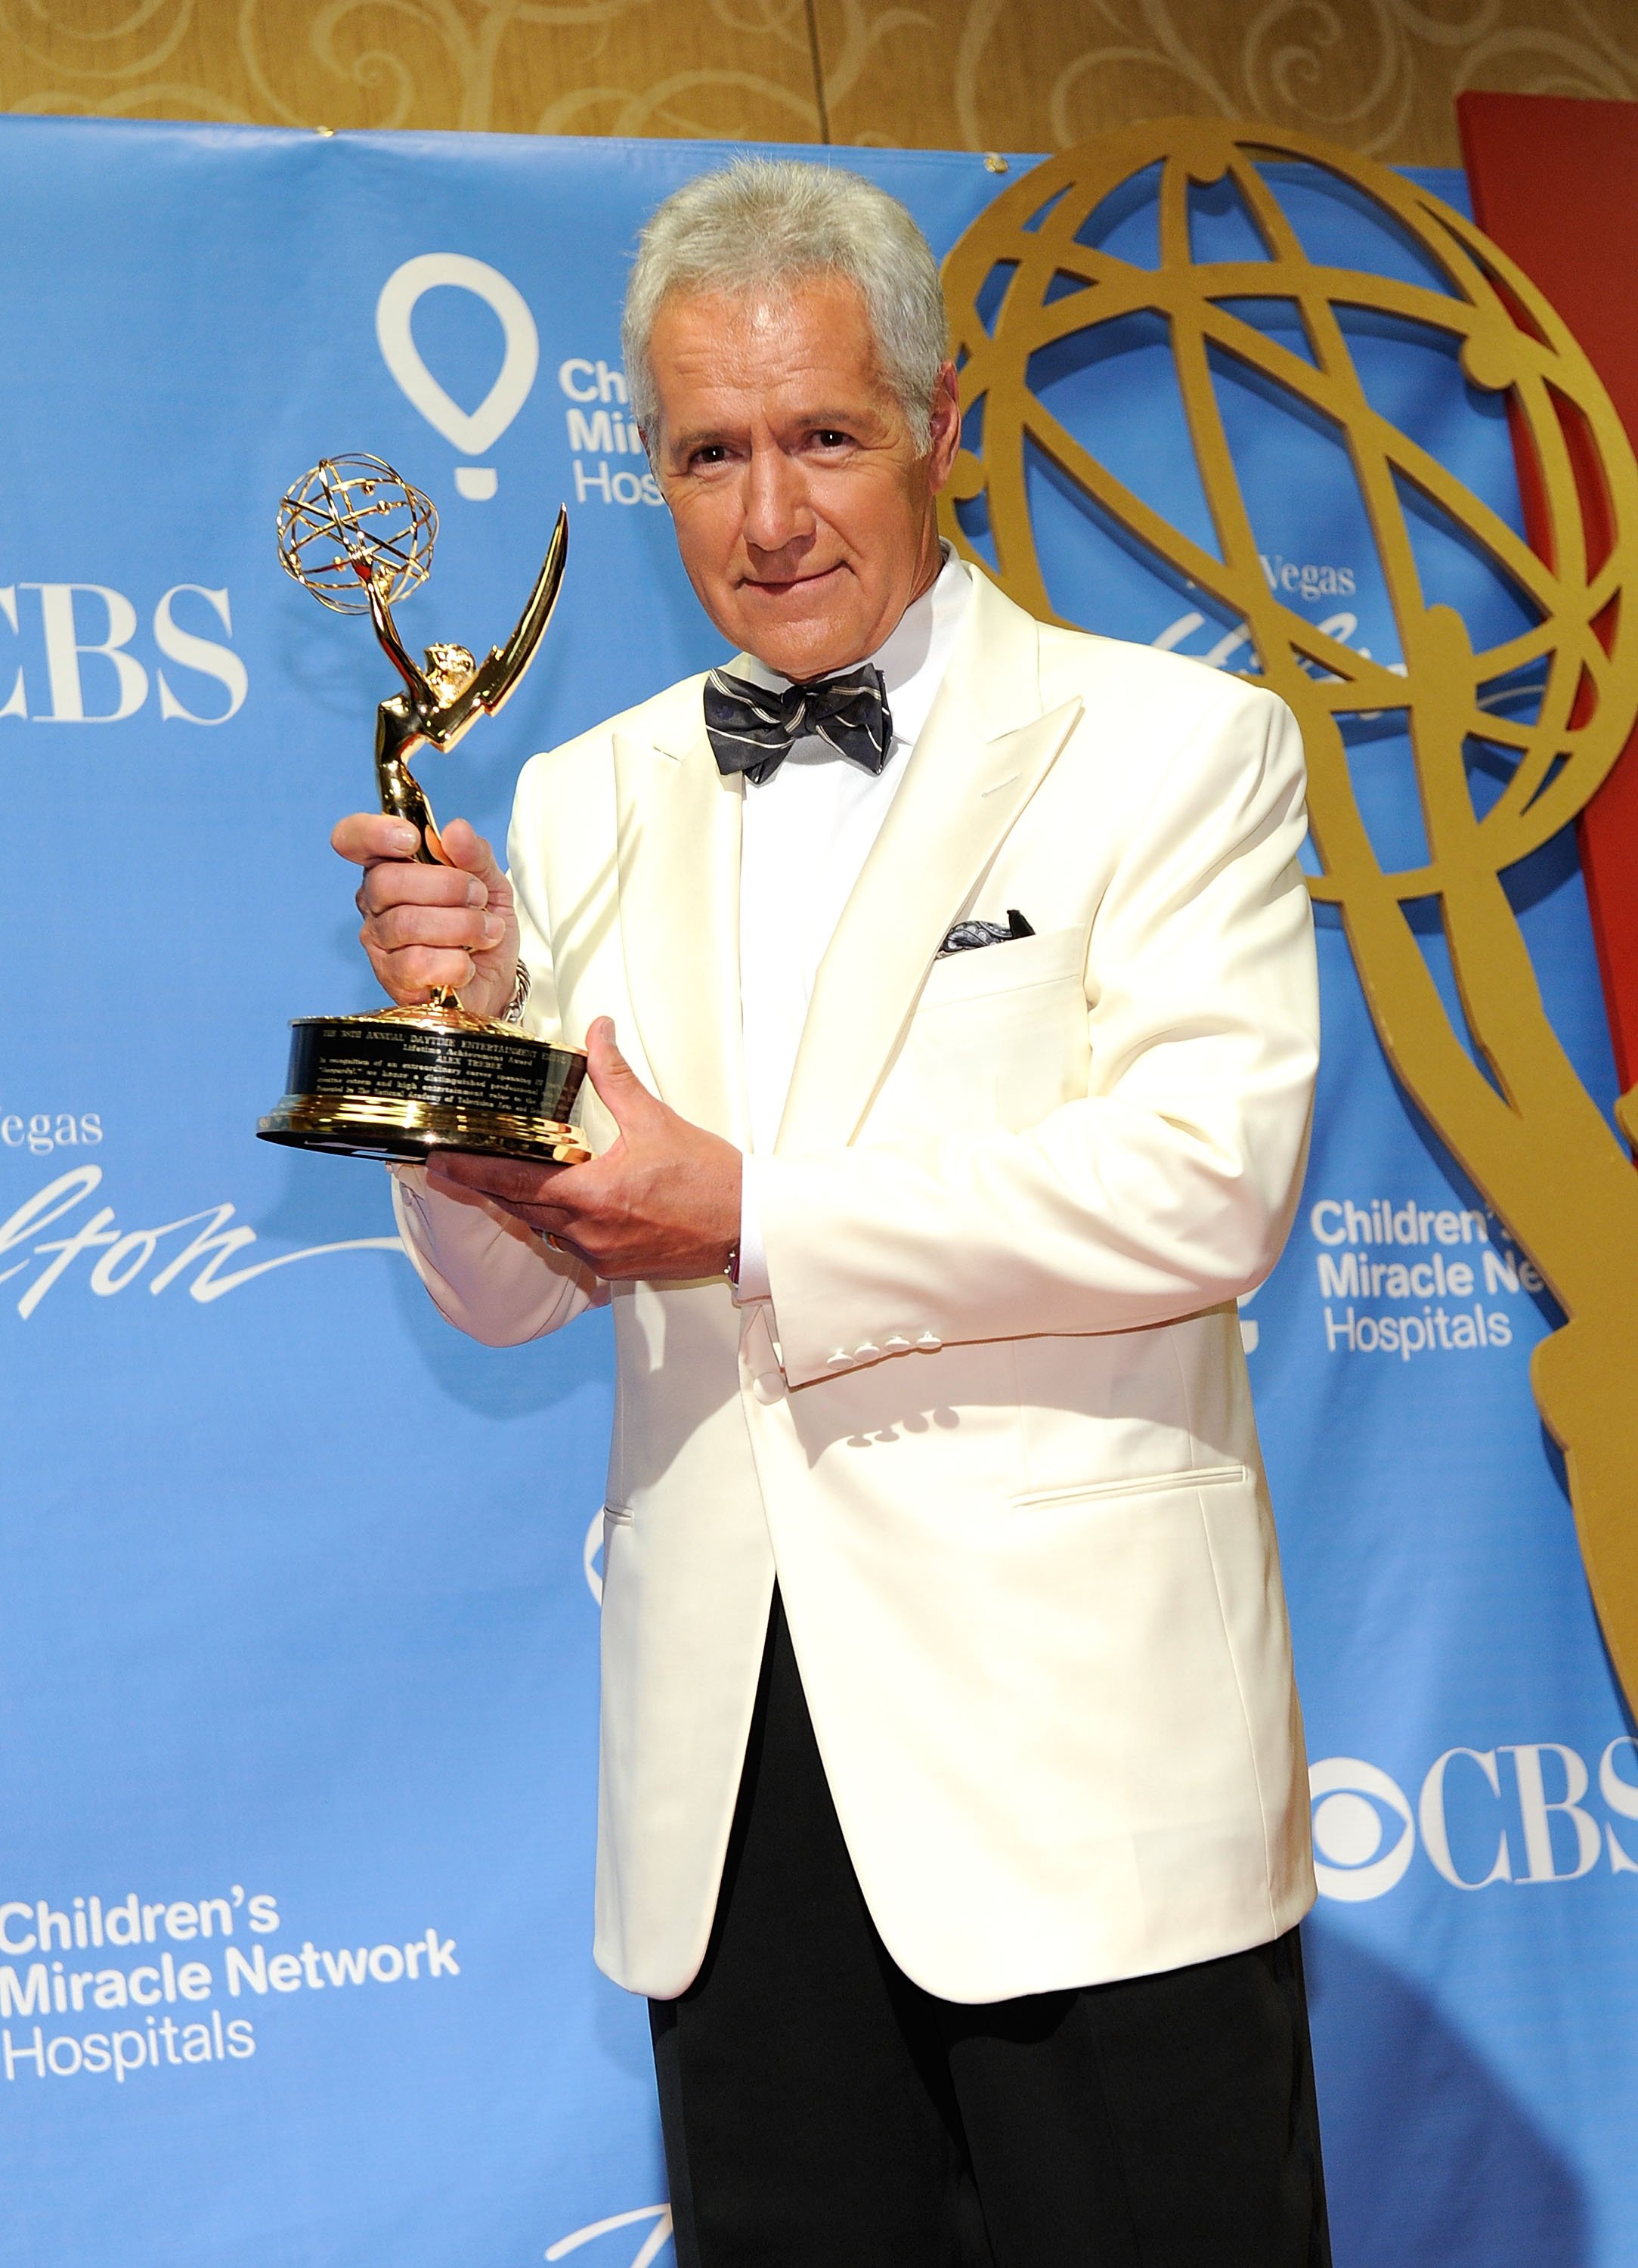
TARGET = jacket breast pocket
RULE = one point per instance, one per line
(999, 1036)
(986, 969)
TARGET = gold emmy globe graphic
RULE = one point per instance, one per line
(1495, 1084)
(404, 1081)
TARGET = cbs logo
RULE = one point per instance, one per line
(1521, 1812)
(1365, 1836)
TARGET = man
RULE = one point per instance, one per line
(953, 1806)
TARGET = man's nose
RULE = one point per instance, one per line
(777, 512)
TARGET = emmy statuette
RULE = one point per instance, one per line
(406, 1081)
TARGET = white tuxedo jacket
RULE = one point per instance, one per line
(994, 1434)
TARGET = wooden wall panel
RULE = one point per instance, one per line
(734, 69)
(1378, 74)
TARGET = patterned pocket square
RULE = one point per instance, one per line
(967, 935)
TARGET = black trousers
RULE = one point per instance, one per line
(821, 2111)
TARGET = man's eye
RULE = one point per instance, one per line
(712, 454)
(828, 438)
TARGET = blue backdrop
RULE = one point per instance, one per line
(298, 1633)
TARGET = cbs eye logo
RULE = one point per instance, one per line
(1365, 1836)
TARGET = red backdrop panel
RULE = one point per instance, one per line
(1555, 183)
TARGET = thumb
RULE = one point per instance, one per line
(613, 1081)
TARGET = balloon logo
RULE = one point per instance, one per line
(472, 431)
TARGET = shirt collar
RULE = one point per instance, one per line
(914, 659)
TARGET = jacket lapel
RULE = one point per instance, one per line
(677, 834)
(985, 750)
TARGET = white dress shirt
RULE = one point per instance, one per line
(807, 833)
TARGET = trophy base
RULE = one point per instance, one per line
(407, 1082)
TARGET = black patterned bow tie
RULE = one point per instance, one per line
(753, 729)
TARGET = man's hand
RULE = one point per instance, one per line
(662, 1202)
(430, 925)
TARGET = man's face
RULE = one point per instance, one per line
(803, 508)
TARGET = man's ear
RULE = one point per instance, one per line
(945, 437)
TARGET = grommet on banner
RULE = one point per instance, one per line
(995, 163)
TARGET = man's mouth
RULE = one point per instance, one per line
(775, 588)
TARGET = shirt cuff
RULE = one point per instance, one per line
(752, 1283)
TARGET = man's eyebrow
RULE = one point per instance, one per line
(697, 436)
(833, 421)
(812, 421)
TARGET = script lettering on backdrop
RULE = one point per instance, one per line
(203, 1242)
(1508, 742)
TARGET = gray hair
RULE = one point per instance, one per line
(767, 222)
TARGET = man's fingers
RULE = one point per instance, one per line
(402, 926)
(550, 1225)
(466, 848)
(419, 971)
(400, 883)
(367, 837)
(511, 1181)
(429, 927)
(372, 838)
